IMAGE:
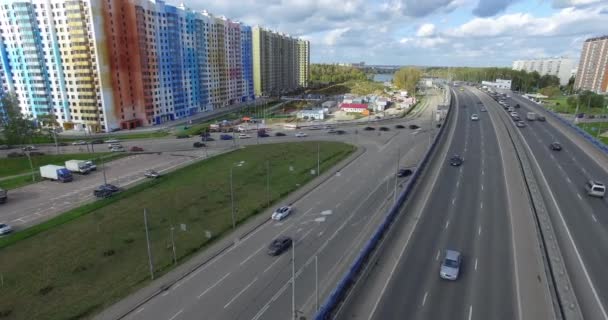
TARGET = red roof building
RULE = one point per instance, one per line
(353, 107)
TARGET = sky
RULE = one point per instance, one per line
(425, 32)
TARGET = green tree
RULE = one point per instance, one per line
(550, 91)
(407, 79)
(18, 129)
(569, 88)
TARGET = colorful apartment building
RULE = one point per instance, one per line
(100, 65)
(280, 63)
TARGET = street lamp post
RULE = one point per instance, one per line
(29, 158)
(232, 197)
(318, 158)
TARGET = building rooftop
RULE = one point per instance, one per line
(354, 105)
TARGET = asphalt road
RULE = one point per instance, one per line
(329, 226)
(466, 211)
(585, 218)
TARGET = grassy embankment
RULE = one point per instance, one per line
(76, 264)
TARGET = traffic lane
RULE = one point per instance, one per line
(493, 296)
(39, 201)
(331, 198)
(408, 290)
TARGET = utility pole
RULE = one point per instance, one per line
(293, 281)
(395, 176)
(29, 158)
(268, 182)
(148, 244)
(318, 158)
(103, 169)
(173, 245)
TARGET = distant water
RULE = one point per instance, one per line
(383, 77)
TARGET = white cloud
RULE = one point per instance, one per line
(575, 3)
(426, 30)
(332, 37)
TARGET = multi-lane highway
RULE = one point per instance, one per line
(329, 226)
(582, 220)
(470, 209)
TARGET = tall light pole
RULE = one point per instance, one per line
(232, 197)
(268, 182)
(293, 281)
(29, 158)
(395, 176)
(318, 157)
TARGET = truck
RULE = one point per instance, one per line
(531, 116)
(91, 165)
(56, 173)
(79, 166)
(3, 195)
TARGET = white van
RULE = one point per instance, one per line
(595, 188)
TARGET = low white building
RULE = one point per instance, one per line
(312, 114)
(498, 84)
(380, 104)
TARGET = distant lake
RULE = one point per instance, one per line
(383, 77)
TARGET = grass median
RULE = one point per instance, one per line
(76, 264)
(14, 166)
(596, 129)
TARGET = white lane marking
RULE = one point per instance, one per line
(437, 256)
(251, 234)
(240, 293)
(424, 299)
(483, 172)
(470, 312)
(305, 235)
(251, 255)
(481, 205)
(475, 263)
(568, 179)
(479, 231)
(447, 223)
(481, 187)
(453, 200)
(213, 286)
(139, 310)
(458, 183)
(594, 218)
(338, 205)
(271, 265)
(579, 196)
(177, 314)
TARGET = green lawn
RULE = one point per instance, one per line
(592, 129)
(47, 139)
(559, 105)
(73, 266)
(15, 166)
(20, 181)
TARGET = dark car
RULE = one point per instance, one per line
(456, 160)
(198, 145)
(263, 135)
(399, 126)
(384, 129)
(226, 137)
(340, 132)
(517, 106)
(182, 136)
(205, 139)
(136, 149)
(414, 126)
(62, 144)
(105, 190)
(540, 118)
(404, 173)
(98, 141)
(555, 146)
(278, 245)
(369, 128)
(279, 134)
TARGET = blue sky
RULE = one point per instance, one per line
(426, 32)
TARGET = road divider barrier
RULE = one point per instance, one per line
(340, 292)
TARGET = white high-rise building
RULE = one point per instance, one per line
(560, 67)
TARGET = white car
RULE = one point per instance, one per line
(117, 149)
(474, 117)
(112, 141)
(79, 143)
(301, 135)
(281, 213)
(244, 136)
(5, 229)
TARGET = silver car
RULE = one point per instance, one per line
(450, 265)
(5, 229)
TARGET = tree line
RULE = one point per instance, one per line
(407, 79)
(18, 128)
(332, 73)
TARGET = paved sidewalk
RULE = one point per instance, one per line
(138, 298)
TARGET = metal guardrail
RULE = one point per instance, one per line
(340, 291)
(597, 143)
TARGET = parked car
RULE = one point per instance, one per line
(555, 146)
(79, 143)
(520, 124)
(404, 173)
(399, 126)
(151, 174)
(105, 190)
(226, 137)
(117, 149)
(414, 126)
(136, 149)
(29, 148)
(301, 135)
(97, 141)
(450, 265)
(198, 145)
(369, 128)
(456, 160)
(331, 131)
(384, 129)
(279, 245)
(244, 136)
(281, 213)
(62, 144)
(5, 229)
(182, 136)
(279, 134)
(4, 147)
(112, 141)
(595, 188)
